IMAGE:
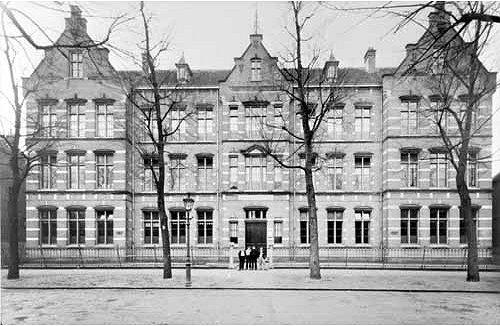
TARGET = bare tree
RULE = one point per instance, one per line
(155, 96)
(313, 93)
(26, 149)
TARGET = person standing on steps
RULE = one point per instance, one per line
(248, 258)
(241, 257)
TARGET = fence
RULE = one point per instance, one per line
(344, 256)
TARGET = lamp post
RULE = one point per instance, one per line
(188, 206)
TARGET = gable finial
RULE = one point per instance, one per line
(256, 22)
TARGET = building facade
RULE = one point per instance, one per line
(384, 184)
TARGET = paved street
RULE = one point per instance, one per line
(249, 297)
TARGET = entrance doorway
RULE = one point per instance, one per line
(256, 235)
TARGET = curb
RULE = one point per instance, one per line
(253, 289)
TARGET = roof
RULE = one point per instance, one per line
(207, 78)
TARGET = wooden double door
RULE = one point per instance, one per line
(256, 235)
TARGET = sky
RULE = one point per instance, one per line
(211, 34)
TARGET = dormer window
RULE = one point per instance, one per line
(256, 70)
(76, 64)
(332, 72)
(182, 73)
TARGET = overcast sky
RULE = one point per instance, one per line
(211, 34)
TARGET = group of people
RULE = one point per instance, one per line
(252, 258)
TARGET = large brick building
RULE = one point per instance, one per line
(384, 182)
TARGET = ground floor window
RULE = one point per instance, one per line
(334, 226)
(48, 226)
(278, 232)
(463, 230)
(205, 226)
(151, 227)
(233, 231)
(104, 226)
(178, 226)
(362, 226)
(439, 225)
(409, 225)
(76, 226)
(305, 237)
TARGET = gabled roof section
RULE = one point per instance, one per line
(168, 78)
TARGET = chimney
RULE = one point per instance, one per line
(439, 19)
(76, 23)
(370, 60)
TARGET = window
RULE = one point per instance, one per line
(104, 226)
(278, 175)
(256, 171)
(332, 72)
(182, 74)
(48, 120)
(151, 169)
(441, 116)
(256, 213)
(151, 227)
(256, 70)
(233, 119)
(335, 122)
(177, 124)
(336, 172)
(76, 125)
(409, 117)
(278, 232)
(437, 63)
(76, 65)
(48, 164)
(76, 170)
(439, 225)
(104, 164)
(278, 118)
(205, 174)
(409, 169)
(362, 122)
(104, 120)
(76, 220)
(48, 226)
(233, 231)
(254, 118)
(362, 226)
(305, 237)
(439, 170)
(334, 226)
(178, 226)
(409, 225)
(472, 171)
(233, 170)
(463, 230)
(205, 123)
(362, 172)
(177, 174)
(205, 226)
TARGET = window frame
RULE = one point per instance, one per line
(152, 217)
(334, 222)
(76, 65)
(77, 220)
(105, 166)
(256, 70)
(406, 221)
(50, 221)
(108, 122)
(362, 217)
(435, 222)
(409, 169)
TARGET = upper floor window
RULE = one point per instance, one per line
(439, 170)
(177, 173)
(233, 119)
(76, 121)
(336, 172)
(409, 117)
(151, 169)
(76, 170)
(104, 120)
(205, 226)
(48, 225)
(332, 73)
(104, 167)
(205, 122)
(409, 169)
(256, 172)
(48, 164)
(205, 172)
(362, 122)
(256, 213)
(76, 68)
(335, 123)
(177, 123)
(233, 170)
(256, 74)
(440, 115)
(472, 170)
(254, 119)
(362, 166)
(48, 120)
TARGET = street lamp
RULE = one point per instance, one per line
(188, 206)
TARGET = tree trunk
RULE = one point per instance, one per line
(314, 269)
(167, 259)
(470, 229)
(13, 231)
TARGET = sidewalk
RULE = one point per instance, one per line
(278, 279)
